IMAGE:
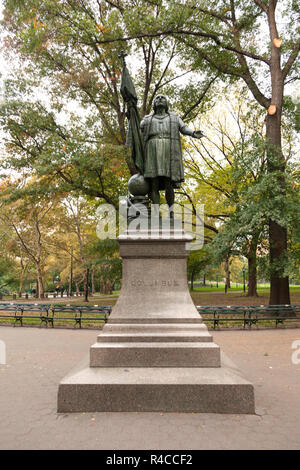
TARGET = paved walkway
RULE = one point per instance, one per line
(38, 358)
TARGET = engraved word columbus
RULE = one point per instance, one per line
(154, 283)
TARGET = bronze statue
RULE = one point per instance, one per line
(162, 150)
(155, 144)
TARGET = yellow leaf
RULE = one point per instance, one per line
(102, 28)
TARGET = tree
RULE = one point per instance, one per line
(73, 236)
(227, 38)
(30, 220)
(233, 164)
(23, 264)
(224, 40)
(63, 62)
(7, 273)
(107, 264)
(197, 263)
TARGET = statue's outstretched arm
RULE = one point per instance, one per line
(185, 130)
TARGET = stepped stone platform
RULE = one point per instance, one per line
(155, 353)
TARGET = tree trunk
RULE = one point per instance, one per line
(93, 281)
(106, 286)
(40, 284)
(192, 281)
(77, 288)
(71, 274)
(252, 269)
(227, 272)
(21, 286)
(22, 276)
(252, 277)
(70, 287)
(279, 291)
(86, 285)
(109, 287)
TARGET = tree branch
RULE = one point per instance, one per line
(262, 5)
(115, 5)
(200, 98)
(184, 32)
(291, 60)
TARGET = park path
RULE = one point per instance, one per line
(37, 359)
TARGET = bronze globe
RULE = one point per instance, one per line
(138, 186)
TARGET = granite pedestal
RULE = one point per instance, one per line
(155, 353)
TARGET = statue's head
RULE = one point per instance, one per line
(161, 100)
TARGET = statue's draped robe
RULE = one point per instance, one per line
(162, 148)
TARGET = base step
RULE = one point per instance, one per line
(143, 354)
(202, 390)
(155, 328)
(154, 337)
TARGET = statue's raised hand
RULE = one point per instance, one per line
(198, 134)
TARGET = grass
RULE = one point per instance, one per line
(225, 323)
(263, 288)
(234, 298)
(57, 323)
(263, 291)
(200, 297)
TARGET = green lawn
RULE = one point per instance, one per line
(263, 288)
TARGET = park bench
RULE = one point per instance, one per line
(219, 313)
(104, 310)
(75, 313)
(249, 314)
(43, 311)
(49, 313)
(210, 310)
(276, 313)
(19, 309)
(7, 308)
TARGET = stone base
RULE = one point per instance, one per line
(188, 389)
(154, 353)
